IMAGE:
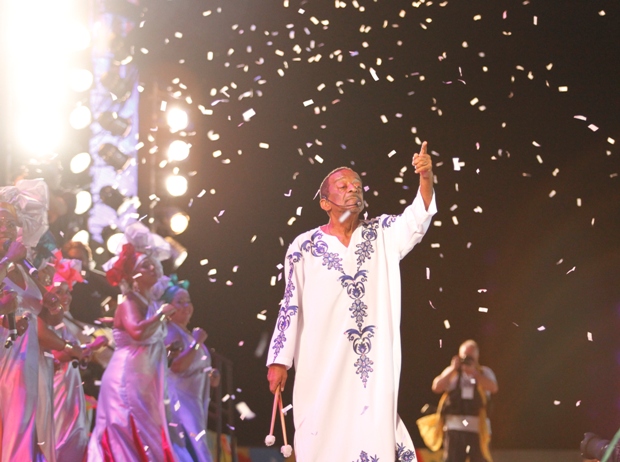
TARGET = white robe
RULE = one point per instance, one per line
(339, 322)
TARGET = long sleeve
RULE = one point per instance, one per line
(407, 230)
(284, 339)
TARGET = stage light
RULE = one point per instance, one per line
(178, 253)
(80, 117)
(117, 126)
(76, 36)
(112, 238)
(119, 87)
(83, 202)
(48, 128)
(177, 119)
(178, 150)
(80, 162)
(179, 222)
(176, 185)
(81, 236)
(80, 80)
(112, 197)
(114, 157)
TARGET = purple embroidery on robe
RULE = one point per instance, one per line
(355, 288)
(365, 458)
(286, 311)
(387, 221)
(405, 455)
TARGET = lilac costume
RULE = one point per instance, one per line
(189, 401)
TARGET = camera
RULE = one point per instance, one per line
(594, 447)
(468, 361)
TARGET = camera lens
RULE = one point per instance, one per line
(593, 446)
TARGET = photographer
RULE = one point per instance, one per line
(469, 387)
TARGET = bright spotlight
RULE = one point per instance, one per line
(81, 236)
(179, 222)
(112, 238)
(176, 185)
(76, 36)
(114, 242)
(178, 150)
(80, 162)
(80, 117)
(80, 79)
(83, 202)
(177, 119)
(48, 131)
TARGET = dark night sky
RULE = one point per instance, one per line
(520, 249)
(512, 236)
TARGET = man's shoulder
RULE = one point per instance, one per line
(487, 371)
(312, 234)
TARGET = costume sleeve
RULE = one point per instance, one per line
(284, 339)
(406, 230)
(173, 334)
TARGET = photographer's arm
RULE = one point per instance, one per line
(487, 383)
(442, 381)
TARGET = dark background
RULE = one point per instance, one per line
(531, 259)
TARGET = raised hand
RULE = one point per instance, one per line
(199, 335)
(422, 162)
(8, 301)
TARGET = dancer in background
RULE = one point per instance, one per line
(51, 345)
(71, 421)
(189, 379)
(131, 418)
(23, 210)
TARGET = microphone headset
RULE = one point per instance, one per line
(344, 206)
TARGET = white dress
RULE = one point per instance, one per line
(339, 322)
(71, 422)
(45, 405)
(19, 379)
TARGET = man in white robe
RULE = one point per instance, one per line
(339, 323)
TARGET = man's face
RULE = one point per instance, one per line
(345, 188)
(469, 350)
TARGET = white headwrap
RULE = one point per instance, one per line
(30, 198)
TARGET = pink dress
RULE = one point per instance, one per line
(131, 418)
(19, 380)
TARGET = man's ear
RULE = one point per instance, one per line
(325, 205)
